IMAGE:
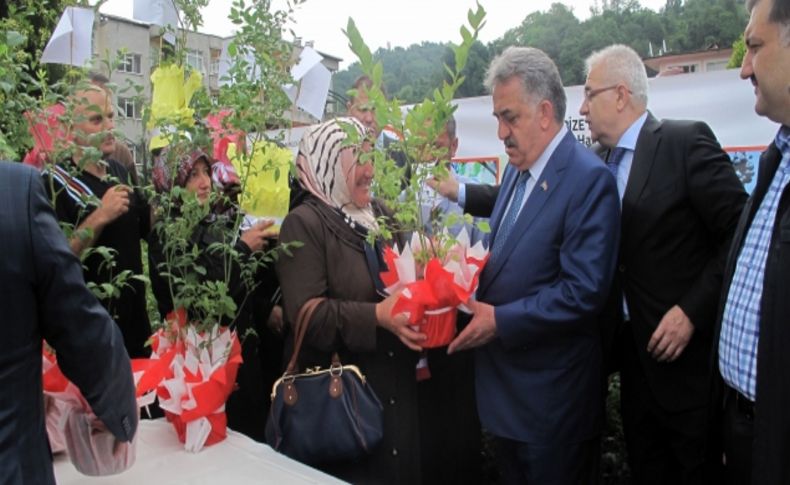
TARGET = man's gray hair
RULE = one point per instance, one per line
(780, 14)
(538, 74)
(621, 64)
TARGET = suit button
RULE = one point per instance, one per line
(390, 354)
(394, 452)
(392, 400)
(621, 268)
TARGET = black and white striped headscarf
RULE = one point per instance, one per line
(325, 166)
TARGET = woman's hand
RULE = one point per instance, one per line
(255, 237)
(398, 324)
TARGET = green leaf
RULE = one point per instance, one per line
(14, 38)
(357, 45)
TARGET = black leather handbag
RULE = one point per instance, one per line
(323, 415)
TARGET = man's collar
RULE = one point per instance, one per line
(537, 168)
(628, 139)
(783, 140)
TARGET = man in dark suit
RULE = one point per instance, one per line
(43, 295)
(680, 200)
(554, 240)
(753, 336)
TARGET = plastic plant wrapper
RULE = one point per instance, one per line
(72, 426)
(45, 127)
(265, 193)
(432, 293)
(193, 374)
(170, 100)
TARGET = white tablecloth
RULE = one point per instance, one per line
(161, 460)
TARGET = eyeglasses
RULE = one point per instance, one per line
(589, 94)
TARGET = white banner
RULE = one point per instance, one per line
(720, 98)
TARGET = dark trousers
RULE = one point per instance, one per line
(450, 436)
(663, 447)
(561, 464)
(738, 434)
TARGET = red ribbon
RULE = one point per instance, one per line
(435, 291)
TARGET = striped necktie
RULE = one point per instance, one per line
(512, 214)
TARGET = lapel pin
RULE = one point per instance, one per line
(544, 185)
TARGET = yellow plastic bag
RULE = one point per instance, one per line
(264, 179)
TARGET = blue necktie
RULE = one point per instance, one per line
(510, 218)
(615, 157)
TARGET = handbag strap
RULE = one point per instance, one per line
(302, 322)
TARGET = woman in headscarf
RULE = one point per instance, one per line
(190, 169)
(336, 261)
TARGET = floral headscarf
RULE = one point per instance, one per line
(182, 158)
(327, 169)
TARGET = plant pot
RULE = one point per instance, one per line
(439, 326)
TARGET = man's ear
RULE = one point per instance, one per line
(623, 97)
(546, 113)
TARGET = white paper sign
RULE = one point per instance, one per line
(71, 42)
(157, 12)
(312, 83)
(252, 72)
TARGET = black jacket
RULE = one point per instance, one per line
(771, 419)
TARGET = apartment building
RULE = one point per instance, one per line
(127, 51)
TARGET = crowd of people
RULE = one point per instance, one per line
(643, 255)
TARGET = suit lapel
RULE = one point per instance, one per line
(642, 163)
(546, 185)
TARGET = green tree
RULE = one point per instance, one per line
(688, 25)
(738, 51)
(474, 71)
(700, 24)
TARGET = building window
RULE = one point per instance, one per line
(129, 108)
(131, 63)
(195, 60)
(716, 65)
(685, 68)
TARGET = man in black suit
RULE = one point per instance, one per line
(752, 341)
(43, 295)
(681, 200)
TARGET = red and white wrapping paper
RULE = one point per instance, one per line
(432, 293)
(193, 373)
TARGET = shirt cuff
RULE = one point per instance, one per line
(462, 195)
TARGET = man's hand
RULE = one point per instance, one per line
(255, 237)
(398, 324)
(672, 335)
(447, 187)
(480, 331)
(114, 204)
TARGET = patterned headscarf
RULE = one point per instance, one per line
(327, 168)
(182, 158)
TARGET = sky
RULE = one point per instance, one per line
(382, 24)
